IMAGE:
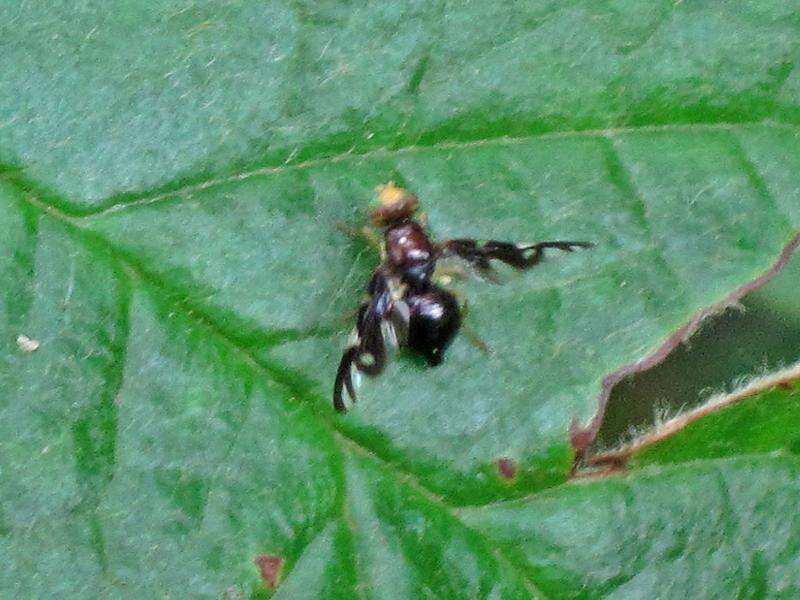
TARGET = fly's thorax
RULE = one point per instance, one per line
(408, 246)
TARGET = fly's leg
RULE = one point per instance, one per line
(366, 234)
(473, 337)
(447, 272)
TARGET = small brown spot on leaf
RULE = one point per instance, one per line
(270, 567)
(507, 468)
(580, 437)
(786, 385)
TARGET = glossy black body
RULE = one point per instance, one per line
(434, 322)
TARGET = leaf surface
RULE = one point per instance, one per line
(656, 534)
(759, 419)
(678, 218)
(172, 180)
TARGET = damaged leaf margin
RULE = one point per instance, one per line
(742, 427)
(583, 437)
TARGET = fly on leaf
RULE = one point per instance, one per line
(405, 306)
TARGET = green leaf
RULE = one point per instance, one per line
(687, 225)
(120, 99)
(760, 418)
(172, 180)
(764, 423)
(708, 529)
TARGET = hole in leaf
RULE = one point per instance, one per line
(762, 334)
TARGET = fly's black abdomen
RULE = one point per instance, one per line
(435, 317)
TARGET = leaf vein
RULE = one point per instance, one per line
(757, 180)
(385, 152)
